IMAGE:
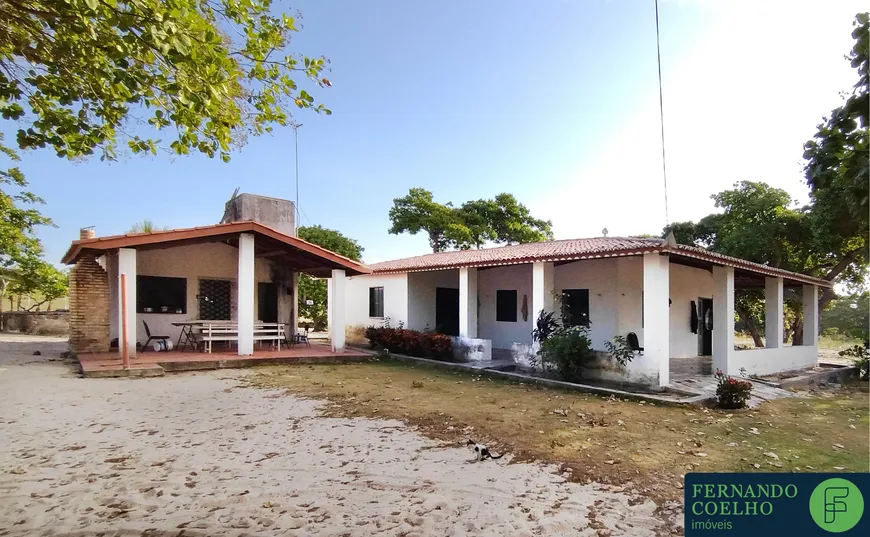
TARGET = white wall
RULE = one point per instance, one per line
(773, 360)
(212, 261)
(629, 296)
(395, 299)
(503, 334)
(687, 284)
(421, 295)
(597, 275)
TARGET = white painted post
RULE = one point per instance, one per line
(336, 308)
(723, 317)
(773, 312)
(811, 315)
(468, 302)
(543, 285)
(245, 294)
(297, 303)
(127, 265)
(329, 304)
(656, 315)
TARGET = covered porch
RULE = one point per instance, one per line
(678, 301)
(237, 279)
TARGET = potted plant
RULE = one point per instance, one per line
(730, 392)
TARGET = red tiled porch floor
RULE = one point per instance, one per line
(154, 364)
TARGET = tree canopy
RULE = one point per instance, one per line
(146, 226)
(314, 289)
(501, 220)
(762, 224)
(828, 238)
(837, 159)
(86, 77)
(331, 240)
(848, 316)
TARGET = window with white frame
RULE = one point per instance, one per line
(376, 302)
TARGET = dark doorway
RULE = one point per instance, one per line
(267, 302)
(447, 311)
(575, 307)
(705, 327)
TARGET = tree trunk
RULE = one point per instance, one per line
(751, 326)
(434, 242)
(797, 330)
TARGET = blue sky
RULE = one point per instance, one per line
(555, 101)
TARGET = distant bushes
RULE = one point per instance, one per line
(410, 342)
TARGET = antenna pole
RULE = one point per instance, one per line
(662, 113)
(296, 144)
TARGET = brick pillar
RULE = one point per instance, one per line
(89, 307)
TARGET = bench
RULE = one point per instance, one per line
(229, 331)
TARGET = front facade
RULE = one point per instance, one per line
(664, 293)
(238, 276)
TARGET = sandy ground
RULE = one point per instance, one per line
(199, 453)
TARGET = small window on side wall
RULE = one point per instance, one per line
(506, 305)
(157, 294)
(376, 302)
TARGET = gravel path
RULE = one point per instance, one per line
(199, 453)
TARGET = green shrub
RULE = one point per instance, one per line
(861, 355)
(619, 349)
(567, 351)
(731, 392)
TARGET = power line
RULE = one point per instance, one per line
(662, 113)
(306, 218)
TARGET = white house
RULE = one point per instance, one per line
(665, 293)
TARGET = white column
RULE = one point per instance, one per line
(468, 302)
(297, 303)
(329, 304)
(773, 311)
(127, 265)
(246, 294)
(723, 317)
(656, 315)
(811, 315)
(114, 302)
(336, 310)
(543, 286)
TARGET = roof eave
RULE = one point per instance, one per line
(716, 259)
(127, 241)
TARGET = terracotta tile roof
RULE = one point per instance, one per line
(571, 250)
(132, 240)
(522, 253)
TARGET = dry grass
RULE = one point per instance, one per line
(606, 440)
(355, 335)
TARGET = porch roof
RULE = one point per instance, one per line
(577, 249)
(297, 253)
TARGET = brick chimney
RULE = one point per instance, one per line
(87, 233)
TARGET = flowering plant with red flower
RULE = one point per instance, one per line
(731, 392)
